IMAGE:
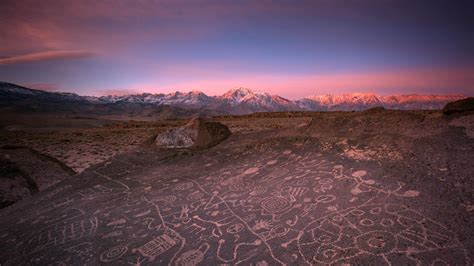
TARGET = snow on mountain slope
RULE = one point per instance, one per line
(361, 101)
(243, 100)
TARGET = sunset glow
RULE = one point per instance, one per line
(294, 50)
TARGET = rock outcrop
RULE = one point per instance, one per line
(198, 133)
(24, 172)
(464, 106)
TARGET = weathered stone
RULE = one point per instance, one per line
(464, 106)
(24, 172)
(197, 133)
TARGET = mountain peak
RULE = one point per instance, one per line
(195, 92)
(236, 95)
(240, 91)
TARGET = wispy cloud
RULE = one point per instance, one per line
(43, 86)
(46, 55)
(118, 92)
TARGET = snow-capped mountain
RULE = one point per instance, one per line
(361, 101)
(244, 101)
(234, 101)
(415, 101)
(342, 102)
(192, 99)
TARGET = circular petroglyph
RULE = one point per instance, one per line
(376, 210)
(114, 253)
(325, 198)
(366, 222)
(376, 242)
(251, 170)
(325, 181)
(369, 182)
(387, 222)
(272, 162)
(197, 195)
(411, 193)
(360, 173)
(235, 228)
(184, 186)
(278, 231)
(356, 191)
(275, 204)
(329, 253)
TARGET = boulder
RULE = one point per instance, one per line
(464, 106)
(197, 133)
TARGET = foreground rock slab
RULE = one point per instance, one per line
(290, 196)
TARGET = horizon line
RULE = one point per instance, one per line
(237, 88)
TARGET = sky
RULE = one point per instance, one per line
(290, 48)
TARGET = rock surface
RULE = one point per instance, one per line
(198, 133)
(24, 172)
(309, 195)
(464, 106)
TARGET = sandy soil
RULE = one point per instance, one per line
(81, 145)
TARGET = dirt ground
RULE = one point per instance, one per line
(81, 145)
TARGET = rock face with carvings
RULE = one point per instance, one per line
(347, 189)
(198, 133)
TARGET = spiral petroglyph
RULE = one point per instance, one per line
(114, 253)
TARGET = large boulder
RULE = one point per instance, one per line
(464, 106)
(197, 133)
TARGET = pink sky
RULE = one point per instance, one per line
(298, 86)
(293, 49)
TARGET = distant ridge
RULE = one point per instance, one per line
(234, 101)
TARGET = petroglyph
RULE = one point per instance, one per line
(275, 204)
(388, 231)
(113, 253)
(94, 191)
(192, 257)
(61, 234)
(158, 246)
(280, 204)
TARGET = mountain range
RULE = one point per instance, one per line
(235, 101)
